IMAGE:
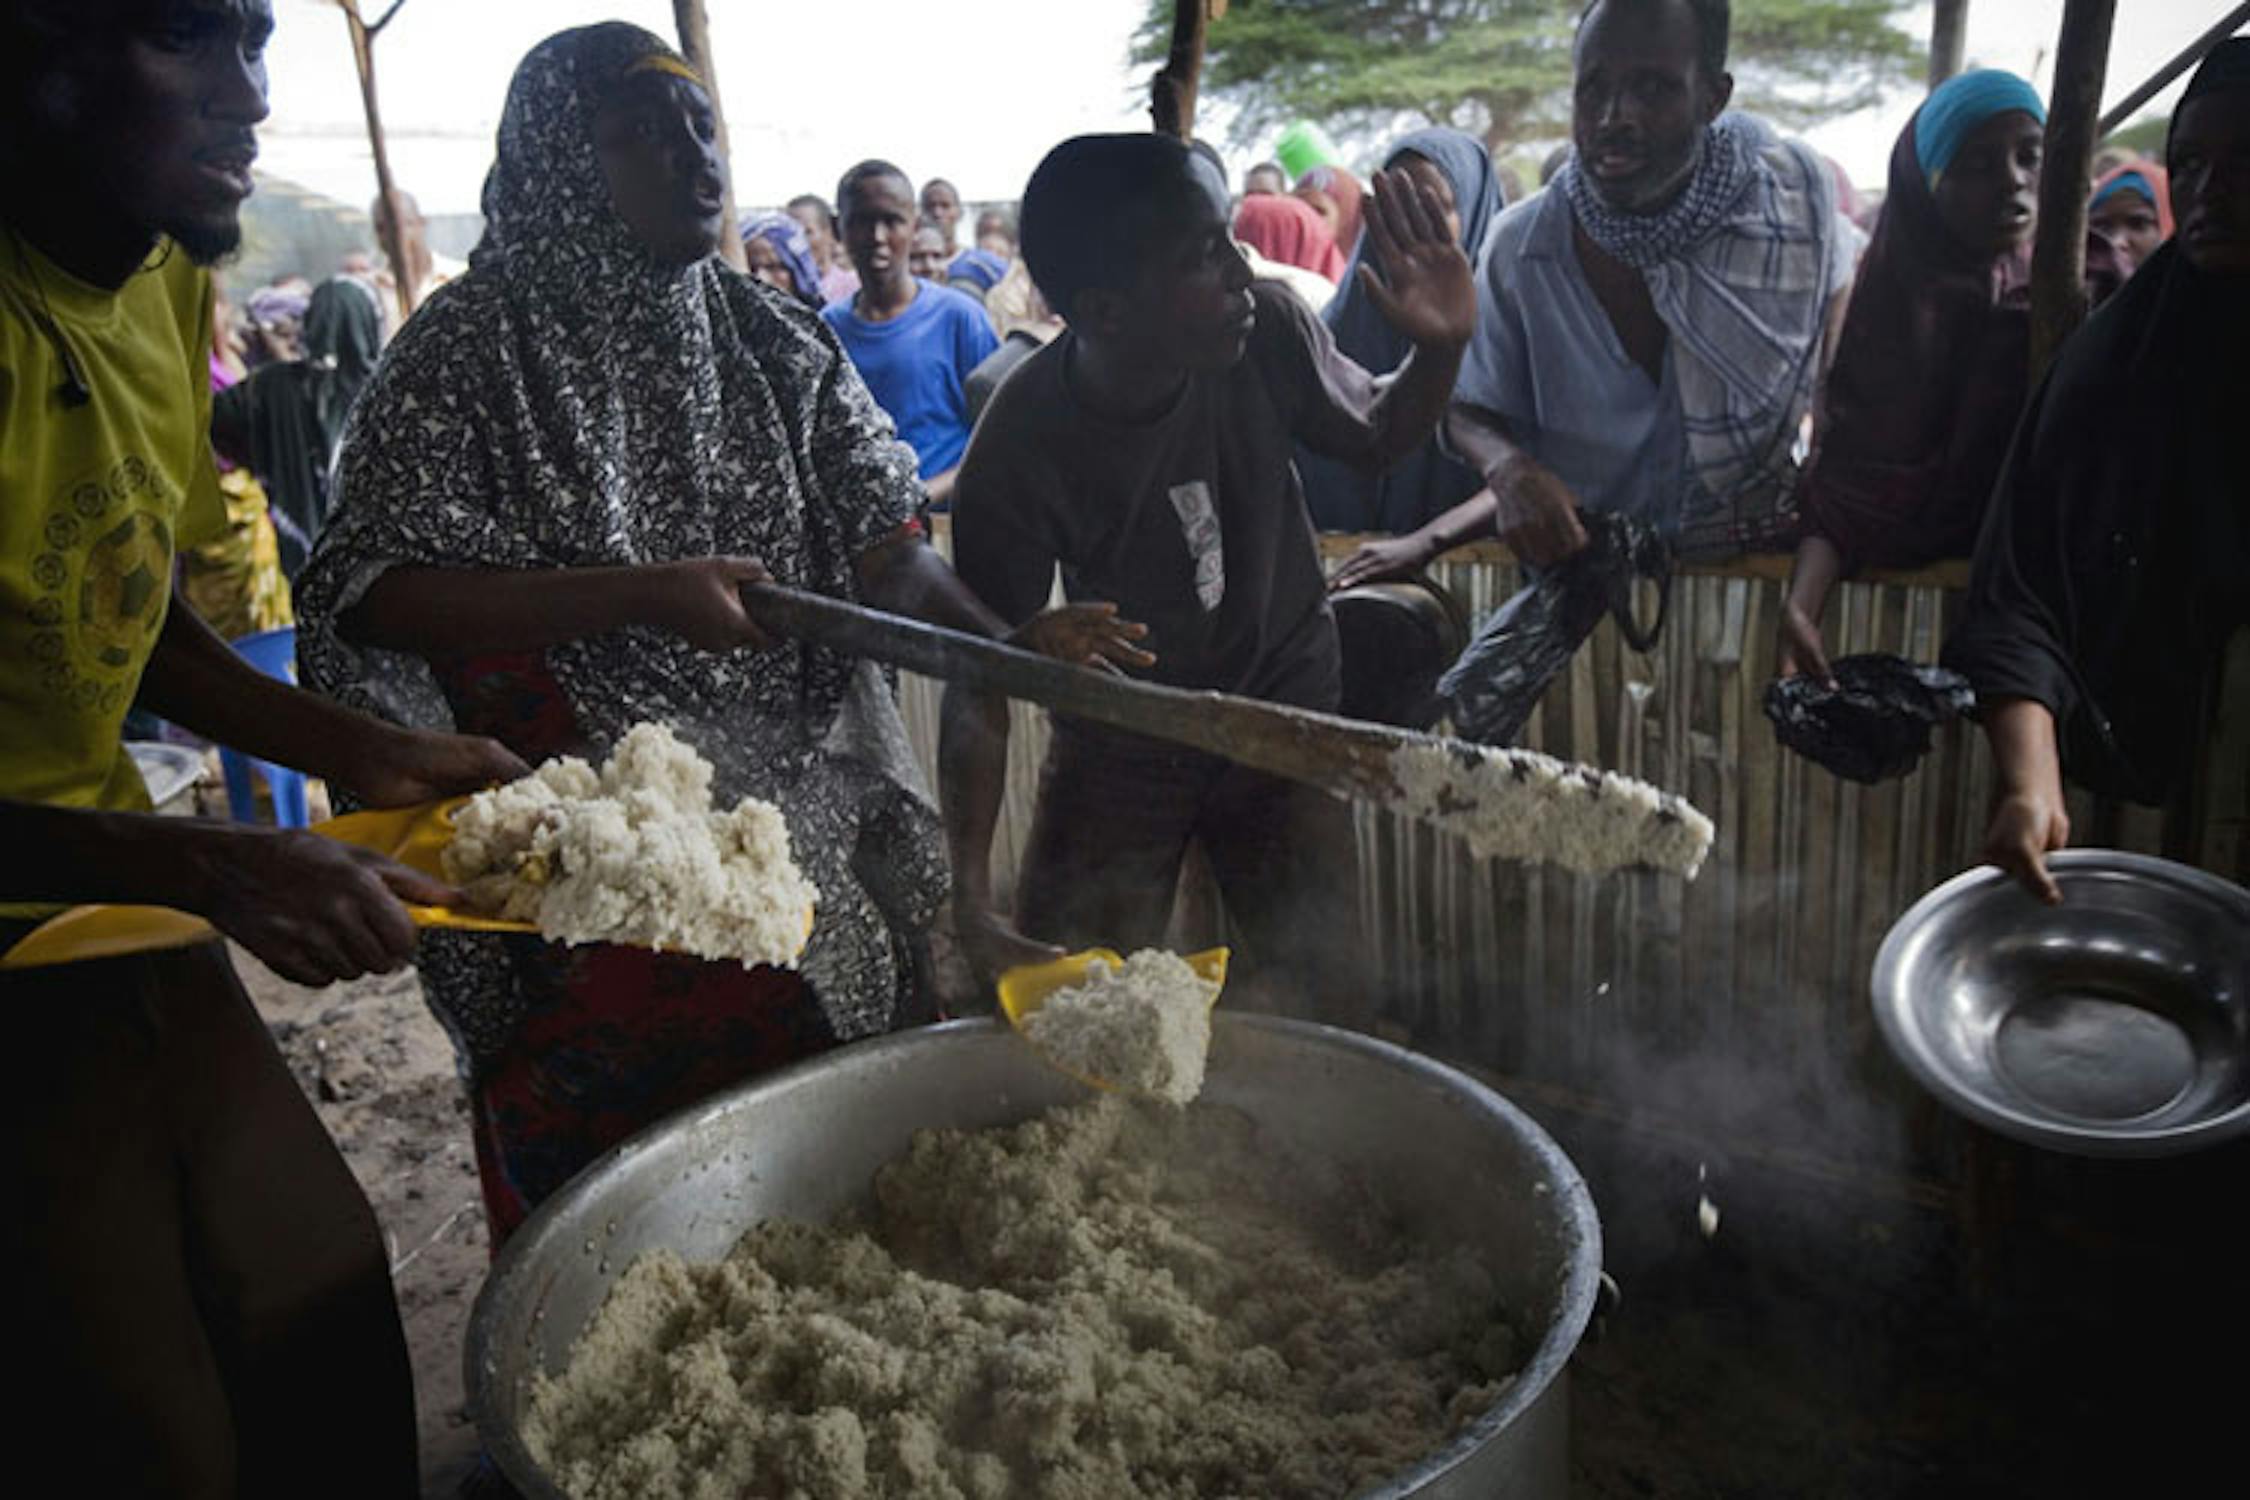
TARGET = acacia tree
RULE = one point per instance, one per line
(1500, 69)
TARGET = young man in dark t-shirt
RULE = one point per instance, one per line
(1146, 453)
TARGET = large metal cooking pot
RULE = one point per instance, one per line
(1463, 1164)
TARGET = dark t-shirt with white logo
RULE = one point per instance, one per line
(1192, 523)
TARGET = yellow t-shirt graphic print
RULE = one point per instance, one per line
(98, 587)
(95, 497)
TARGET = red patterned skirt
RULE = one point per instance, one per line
(612, 1039)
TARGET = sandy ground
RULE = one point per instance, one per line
(380, 1071)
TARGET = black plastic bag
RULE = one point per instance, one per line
(1492, 689)
(1875, 723)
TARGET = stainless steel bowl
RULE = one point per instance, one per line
(2117, 1024)
(1462, 1162)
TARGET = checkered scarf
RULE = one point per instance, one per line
(1739, 269)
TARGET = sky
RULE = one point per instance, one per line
(978, 105)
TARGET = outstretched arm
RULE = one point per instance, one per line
(1397, 557)
(1008, 573)
(312, 910)
(449, 611)
(1534, 512)
(196, 680)
(1800, 647)
(2028, 820)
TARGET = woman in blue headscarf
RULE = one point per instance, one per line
(1427, 483)
(1934, 363)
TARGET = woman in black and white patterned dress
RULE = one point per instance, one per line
(567, 464)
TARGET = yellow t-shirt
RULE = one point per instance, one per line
(94, 500)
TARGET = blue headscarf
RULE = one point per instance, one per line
(1426, 483)
(1962, 103)
(790, 242)
(2131, 180)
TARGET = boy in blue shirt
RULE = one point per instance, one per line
(913, 341)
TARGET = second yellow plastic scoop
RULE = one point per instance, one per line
(1025, 989)
(414, 836)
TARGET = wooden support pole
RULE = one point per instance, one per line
(1171, 102)
(1949, 24)
(2226, 26)
(2058, 260)
(695, 45)
(388, 229)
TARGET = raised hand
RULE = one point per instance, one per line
(1425, 287)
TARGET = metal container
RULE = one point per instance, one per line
(1396, 638)
(1461, 1162)
(2116, 1024)
(170, 772)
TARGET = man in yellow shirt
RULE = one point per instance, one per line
(196, 1286)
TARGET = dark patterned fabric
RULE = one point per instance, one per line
(573, 402)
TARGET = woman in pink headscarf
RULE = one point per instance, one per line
(1335, 195)
(1290, 231)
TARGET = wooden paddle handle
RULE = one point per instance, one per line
(1338, 755)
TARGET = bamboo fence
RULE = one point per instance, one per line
(1735, 1004)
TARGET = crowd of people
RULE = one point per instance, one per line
(518, 521)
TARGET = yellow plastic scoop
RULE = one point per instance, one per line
(414, 836)
(1025, 990)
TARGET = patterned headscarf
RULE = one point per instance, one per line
(1740, 267)
(269, 305)
(1724, 161)
(793, 245)
(573, 401)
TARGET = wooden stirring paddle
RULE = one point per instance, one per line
(1507, 803)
